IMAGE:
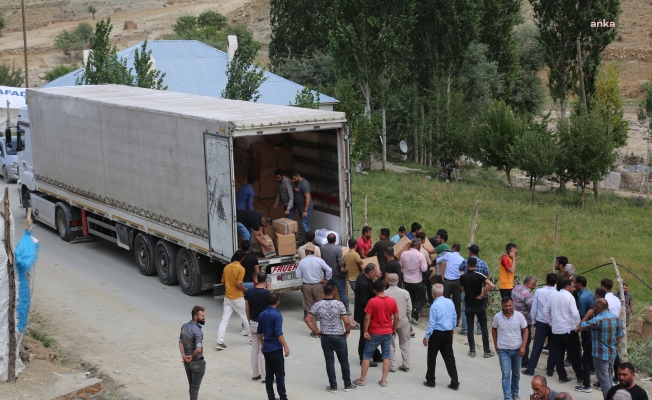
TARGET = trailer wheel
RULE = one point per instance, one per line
(189, 278)
(144, 253)
(62, 224)
(165, 258)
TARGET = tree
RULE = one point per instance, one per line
(587, 154)
(212, 18)
(299, 28)
(184, 24)
(146, 76)
(527, 94)
(243, 79)
(317, 71)
(479, 78)
(59, 71)
(11, 77)
(535, 150)
(608, 101)
(493, 137)
(92, 10)
(645, 106)
(75, 40)
(306, 99)
(3, 20)
(103, 65)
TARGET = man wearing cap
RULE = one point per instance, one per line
(404, 304)
(312, 270)
(414, 265)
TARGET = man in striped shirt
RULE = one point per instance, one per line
(606, 333)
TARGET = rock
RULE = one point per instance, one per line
(647, 314)
(130, 24)
(84, 391)
(117, 371)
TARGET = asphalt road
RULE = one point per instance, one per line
(102, 310)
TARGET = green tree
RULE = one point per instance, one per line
(3, 20)
(608, 101)
(145, 75)
(587, 154)
(645, 106)
(11, 77)
(299, 28)
(59, 71)
(527, 94)
(184, 24)
(493, 137)
(92, 10)
(317, 71)
(479, 78)
(535, 150)
(75, 40)
(243, 79)
(103, 65)
(212, 18)
(306, 99)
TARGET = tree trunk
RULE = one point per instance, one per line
(596, 189)
(367, 97)
(583, 195)
(562, 183)
(384, 139)
(533, 187)
(430, 148)
(509, 177)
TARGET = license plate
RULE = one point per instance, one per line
(75, 228)
(289, 276)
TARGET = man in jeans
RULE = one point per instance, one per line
(378, 330)
(606, 330)
(509, 331)
(249, 223)
(270, 334)
(332, 256)
(481, 267)
(585, 303)
(256, 302)
(232, 278)
(191, 345)
(333, 336)
(522, 298)
(414, 265)
(302, 200)
(475, 286)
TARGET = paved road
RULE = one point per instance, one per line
(104, 311)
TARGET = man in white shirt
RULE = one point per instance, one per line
(563, 316)
(451, 274)
(542, 332)
(510, 333)
(614, 308)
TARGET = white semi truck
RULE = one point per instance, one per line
(153, 172)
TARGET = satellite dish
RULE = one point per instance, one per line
(403, 146)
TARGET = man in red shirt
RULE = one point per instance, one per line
(364, 243)
(378, 330)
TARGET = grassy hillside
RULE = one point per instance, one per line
(614, 227)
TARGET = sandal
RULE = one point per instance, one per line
(381, 385)
(357, 382)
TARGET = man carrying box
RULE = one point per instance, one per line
(249, 223)
(284, 191)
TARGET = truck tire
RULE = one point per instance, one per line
(165, 258)
(189, 279)
(62, 224)
(144, 254)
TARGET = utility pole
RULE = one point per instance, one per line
(22, 5)
(579, 66)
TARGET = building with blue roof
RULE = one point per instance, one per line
(194, 67)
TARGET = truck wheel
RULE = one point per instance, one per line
(5, 174)
(165, 258)
(189, 278)
(144, 253)
(62, 225)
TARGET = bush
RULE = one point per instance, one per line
(11, 77)
(639, 355)
(59, 71)
(186, 23)
(75, 40)
(212, 18)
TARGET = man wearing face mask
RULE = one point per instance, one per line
(191, 345)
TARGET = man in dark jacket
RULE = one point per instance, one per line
(379, 251)
(363, 293)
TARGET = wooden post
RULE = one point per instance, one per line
(622, 345)
(474, 223)
(554, 253)
(13, 346)
(365, 211)
(402, 215)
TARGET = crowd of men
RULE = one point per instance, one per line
(577, 328)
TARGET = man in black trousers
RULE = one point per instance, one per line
(439, 337)
(363, 293)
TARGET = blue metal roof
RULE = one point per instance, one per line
(197, 68)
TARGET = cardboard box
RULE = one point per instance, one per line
(369, 260)
(286, 245)
(284, 158)
(269, 231)
(264, 155)
(267, 190)
(268, 241)
(274, 214)
(276, 139)
(262, 174)
(428, 246)
(401, 246)
(261, 208)
(345, 250)
(285, 226)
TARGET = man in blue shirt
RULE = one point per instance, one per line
(192, 350)
(439, 337)
(585, 300)
(414, 230)
(270, 334)
(244, 198)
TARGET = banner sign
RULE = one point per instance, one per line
(16, 97)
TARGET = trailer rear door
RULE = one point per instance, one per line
(221, 197)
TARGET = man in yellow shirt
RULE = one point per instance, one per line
(232, 278)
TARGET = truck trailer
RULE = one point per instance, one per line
(153, 172)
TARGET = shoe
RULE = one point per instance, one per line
(404, 368)
(515, 397)
(596, 386)
(478, 333)
(243, 332)
(472, 354)
(550, 374)
(567, 363)
(356, 327)
(414, 321)
(352, 386)
(412, 334)
(526, 372)
(255, 378)
(426, 383)
(220, 346)
(582, 388)
(489, 354)
(392, 369)
(314, 335)
(544, 351)
(454, 387)
(462, 332)
(331, 389)
(564, 380)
